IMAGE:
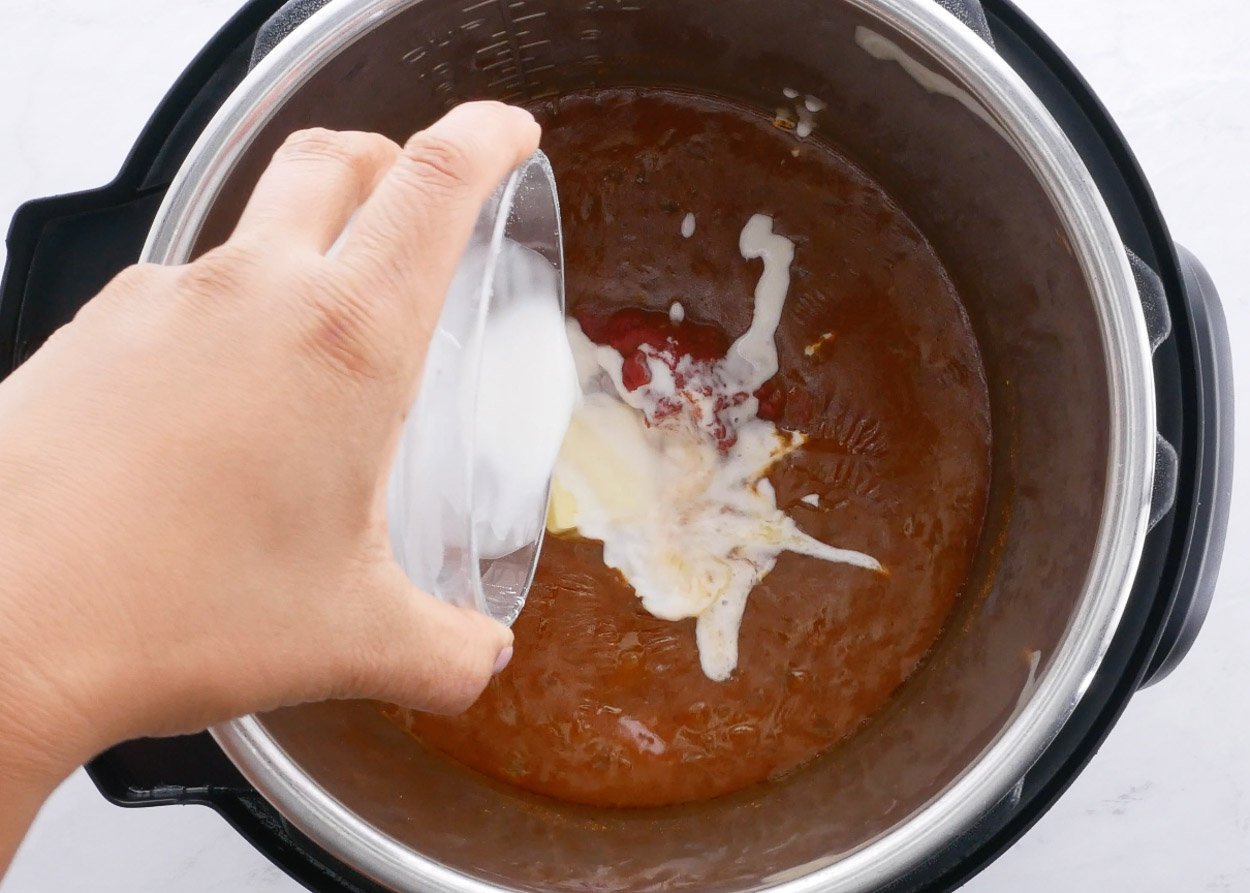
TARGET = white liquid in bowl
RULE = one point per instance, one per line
(476, 452)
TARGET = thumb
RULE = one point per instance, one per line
(430, 656)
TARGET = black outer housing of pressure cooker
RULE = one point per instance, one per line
(63, 250)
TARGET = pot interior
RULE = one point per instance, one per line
(896, 111)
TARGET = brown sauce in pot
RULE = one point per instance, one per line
(603, 703)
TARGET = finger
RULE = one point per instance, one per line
(412, 230)
(430, 656)
(316, 181)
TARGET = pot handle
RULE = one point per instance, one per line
(192, 769)
(1154, 302)
(162, 771)
(1203, 542)
(64, 249)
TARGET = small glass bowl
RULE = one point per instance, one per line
(467, 497)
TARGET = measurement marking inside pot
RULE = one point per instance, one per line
(510, 32)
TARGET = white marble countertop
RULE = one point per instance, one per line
(1165, 806)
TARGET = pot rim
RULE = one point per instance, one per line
(989, 777)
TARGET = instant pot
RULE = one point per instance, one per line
(1106, 354)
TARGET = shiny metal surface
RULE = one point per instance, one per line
(989, 775)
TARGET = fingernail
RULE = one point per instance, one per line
(502, 661)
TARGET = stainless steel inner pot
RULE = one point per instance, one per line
(929, 110)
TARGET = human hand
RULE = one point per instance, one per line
(193, 522)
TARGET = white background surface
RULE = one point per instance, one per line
(1164, 807)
